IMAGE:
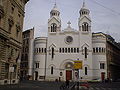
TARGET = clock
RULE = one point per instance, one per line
(69, 39)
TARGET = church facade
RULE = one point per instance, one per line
(54, 56)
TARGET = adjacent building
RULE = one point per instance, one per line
(11, 24)
(55, 55)
(26, 65)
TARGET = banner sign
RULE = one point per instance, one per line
(77, 64)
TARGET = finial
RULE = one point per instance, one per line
(55, 5)
(83, 3)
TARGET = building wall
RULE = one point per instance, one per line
(27, 54)
(40, 58)
(11, 23)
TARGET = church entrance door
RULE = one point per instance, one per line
(68, 74)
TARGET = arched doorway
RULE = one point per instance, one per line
(69, 70)
(36, 75)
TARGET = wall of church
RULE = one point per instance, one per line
(40, 58)
(99, 57)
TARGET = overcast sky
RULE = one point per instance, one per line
(105, 15)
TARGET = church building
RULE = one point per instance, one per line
(55, 55)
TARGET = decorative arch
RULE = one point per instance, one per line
(64, 64)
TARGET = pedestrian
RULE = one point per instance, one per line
(67, 83)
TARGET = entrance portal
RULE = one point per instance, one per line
(68, 74)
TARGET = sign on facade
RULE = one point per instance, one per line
(77, 64)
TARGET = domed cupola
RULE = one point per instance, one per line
(54, 11)
(84, 11)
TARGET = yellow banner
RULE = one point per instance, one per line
(77, 64)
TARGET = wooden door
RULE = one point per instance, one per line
(103, 76)
(68, 74)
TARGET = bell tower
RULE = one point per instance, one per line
(54, 23)
(84, 22)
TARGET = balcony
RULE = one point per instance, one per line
(4, 33)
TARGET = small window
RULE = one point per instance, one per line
(85, 52)
(68, 50)
(37, 65)
(77, 50)
(60, 50)
(39, 50)
(85, 70)
(12, 10)
(51, 70)
(93, 50)
(102, 65)
(71, 50)
(52, 52)
(63, 50)
(74, 50)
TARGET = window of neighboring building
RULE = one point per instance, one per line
(12, 9)
(51, 70)
(10, 28)
(102, 65)
(85, 70)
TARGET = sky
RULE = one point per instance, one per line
(105, 15)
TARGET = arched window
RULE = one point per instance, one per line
(42, 50)
(71, 50)
(96, 50)
(52, 52)
(53, 27)
(77, 50)
(45, 50)
(52, 70)
(39, 50)
(60, 50)
(63, 50)
(100, 49)
(85, 52)
(85, 26)
(74, 50)
(68, 50)
(85, 70)
(93, 50)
